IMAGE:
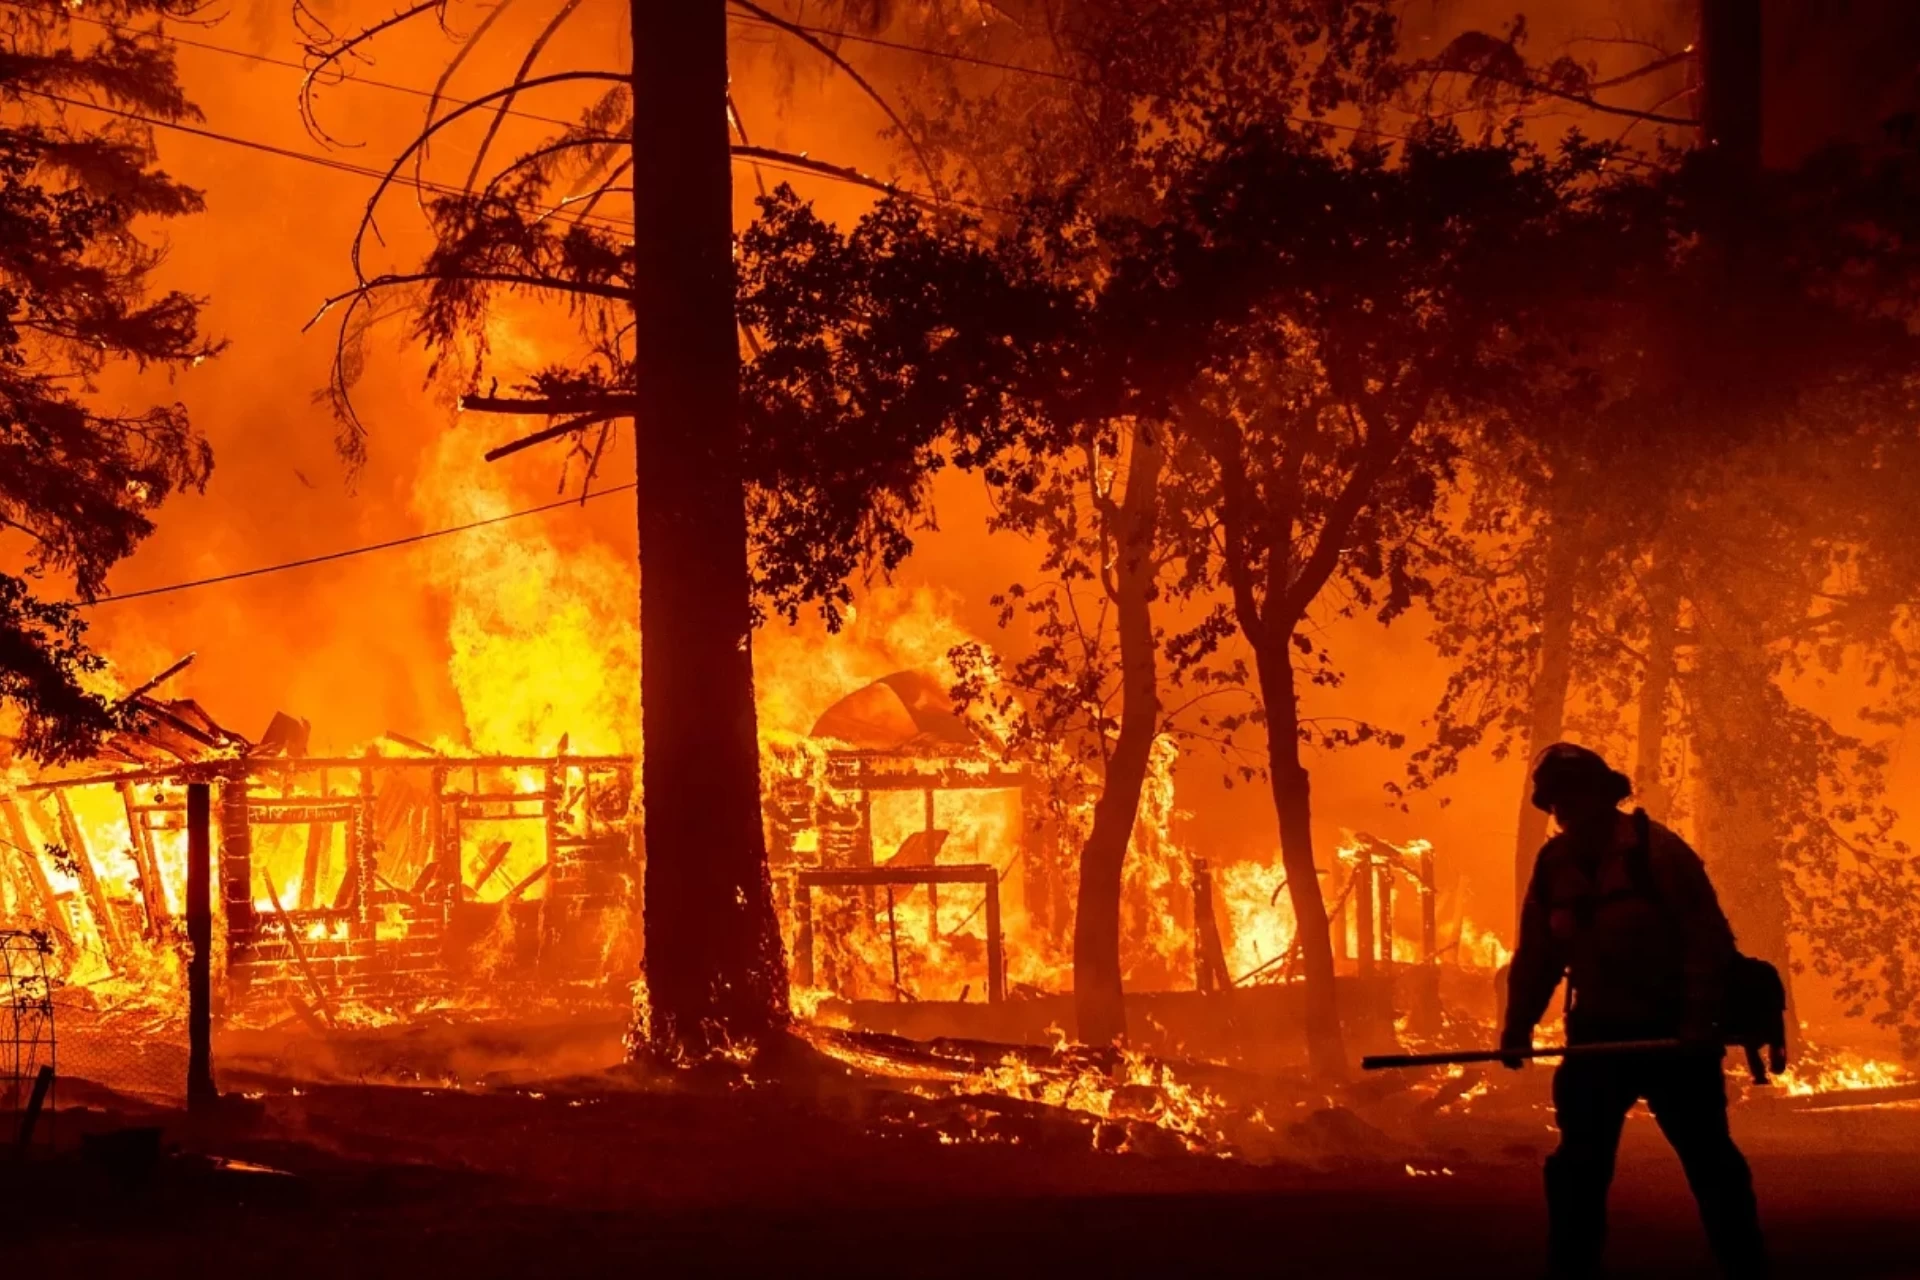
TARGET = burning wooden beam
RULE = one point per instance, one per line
(889, 877)
(236, 858)
(299, 949)
(25, 849)
(89, 877)
(153, 894)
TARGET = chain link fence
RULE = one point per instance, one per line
(140, 1054)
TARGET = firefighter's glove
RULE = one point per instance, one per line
(1514, 1043)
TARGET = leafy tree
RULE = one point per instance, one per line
(1766, 396)
(79, 482)
(1137, 102)
(1389, 299)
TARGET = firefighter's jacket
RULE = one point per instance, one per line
(1640, 938)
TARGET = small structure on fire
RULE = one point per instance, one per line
(397, 877)
(861, 818)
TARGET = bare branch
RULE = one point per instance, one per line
(554, 432)
(799, 161)
(506, 104)
(613, 292)
(619, 171)
(1545, 90)
(538, 154)
(612, 405)
(328, 60)
(1647, 69)
(467, 46)
(813, 42)
(426, 135)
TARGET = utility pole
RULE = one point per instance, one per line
(714, 967)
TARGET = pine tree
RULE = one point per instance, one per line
(78, 482)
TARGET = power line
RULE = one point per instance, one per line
(750, 19)
(290, 153)
(1017, 68)
(350, 552)
(415, 91)
(1043, 73)
(920, 49)
(271, 61)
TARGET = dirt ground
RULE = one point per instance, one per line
(608, 1172)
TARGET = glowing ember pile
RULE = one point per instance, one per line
(1114, 1099)
(1820, 1071)
(1137, 1089)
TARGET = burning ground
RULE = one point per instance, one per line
(937, 1166)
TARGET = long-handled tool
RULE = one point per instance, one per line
(1383, 1061)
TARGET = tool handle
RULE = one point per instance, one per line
(1385, 1061)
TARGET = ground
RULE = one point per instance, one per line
(722, 1175)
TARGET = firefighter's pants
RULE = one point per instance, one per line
(1688, 1097)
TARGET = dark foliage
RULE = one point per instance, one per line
(81, 484)
(1724, 435)
(881, 355)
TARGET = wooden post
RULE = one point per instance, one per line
(30, 1118)
(1426, 1010)
(1210, 957)
(803, 933)
(24, 847)
(236, 859)
(933, 890)
(893, 942)
(863, 852)
(1363, 906)
(200, 1089)
(552, 910)
(1202, 972)
(444, 839)
(89, 875)
(364, 854)
(996, 946)
(153, 893)
(863, 841)
(1429, 909)
(1386, 869)
(319, 841)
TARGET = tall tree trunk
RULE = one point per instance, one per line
(1650, 740)
(1731, 97)
(1547, 702)
(1739, 824)
(1098, 1000)
(1741, 830)
(1293, 801)
(714, 969)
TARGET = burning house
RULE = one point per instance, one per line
(375, 883)
(924, 881)
(841, 841)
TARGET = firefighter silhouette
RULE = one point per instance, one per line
(1621, 908)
